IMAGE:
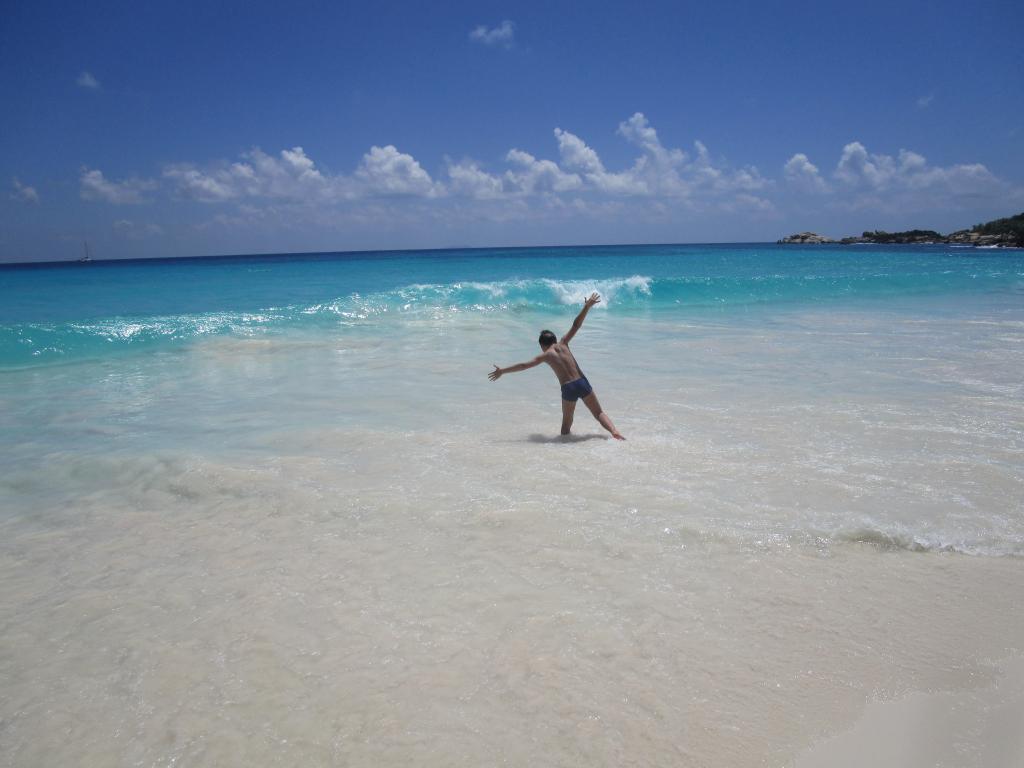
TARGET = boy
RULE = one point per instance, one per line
(574, 384)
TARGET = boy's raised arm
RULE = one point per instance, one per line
(578, 322)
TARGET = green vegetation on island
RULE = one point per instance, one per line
(910, 236)
(1010, 228)
(1004, 233)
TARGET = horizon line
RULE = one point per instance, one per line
(365, 251)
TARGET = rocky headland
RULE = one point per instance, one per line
(1001, 233)
(806, 238)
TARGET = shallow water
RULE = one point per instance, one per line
(327, 538)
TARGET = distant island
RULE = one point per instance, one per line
(1002, 233)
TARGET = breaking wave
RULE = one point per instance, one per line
(908, 541)
(24, 344)
(30, 343)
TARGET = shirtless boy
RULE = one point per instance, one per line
(574, 384)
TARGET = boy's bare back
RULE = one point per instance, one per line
(562, 362)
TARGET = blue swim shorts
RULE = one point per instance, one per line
(574, 390)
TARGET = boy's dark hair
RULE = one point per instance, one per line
(547, 338)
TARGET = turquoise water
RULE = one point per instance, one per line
(52, 313)
(270, 510)
(214, 357)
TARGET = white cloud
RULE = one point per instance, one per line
(209, 188)
(293, 175)
(87, 81)
(579, 157)
(531, 175)
(659, 166)
(288, 189)
(708, 176)
(136, 231)
(660, 171)
(386, 171)
(857, 167)
(803, 174)
(503, 34)
(94, 186)
(904, 183)
(670, 172)
(290, 175)
(910, 181)
(468, 180)
(925, 101)
(657, 169)
(638, 130)
(749, 203)
(23, 192)
(576, 154)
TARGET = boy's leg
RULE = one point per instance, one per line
(568, 409)
(602, 417)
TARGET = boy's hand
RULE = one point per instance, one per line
(495, 374)
(594, 299)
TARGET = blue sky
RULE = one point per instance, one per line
(187, 129)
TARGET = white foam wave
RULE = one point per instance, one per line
(610, 289)
(892, 538)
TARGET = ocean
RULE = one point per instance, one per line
(269, 509)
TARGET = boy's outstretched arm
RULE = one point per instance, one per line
(578, 322)
(498, 372)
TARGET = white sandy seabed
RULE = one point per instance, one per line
(351, 549)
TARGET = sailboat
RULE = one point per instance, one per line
(87, 257)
